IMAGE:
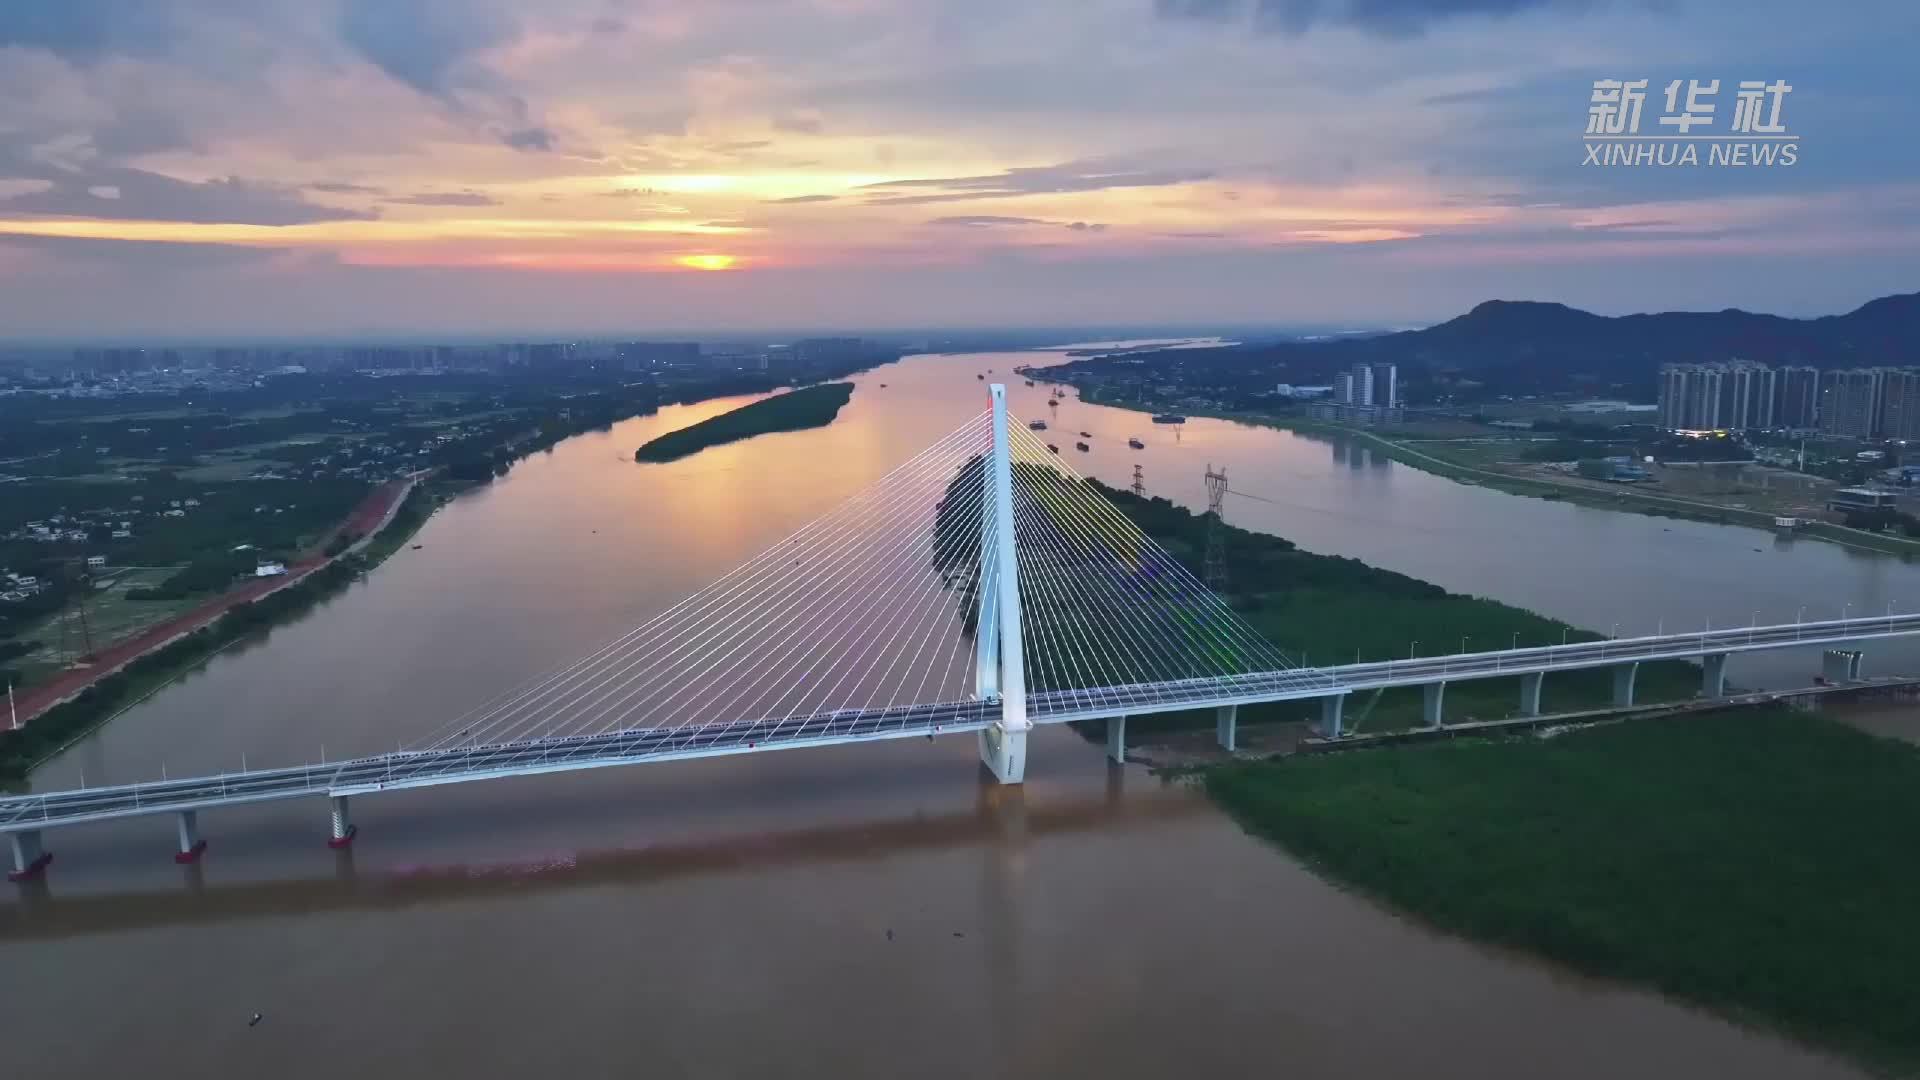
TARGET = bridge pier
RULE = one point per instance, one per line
(191, 845)
(1117, 739)
(1530, 693)
(1331, 716)
(1713, 679)
(1433, 699)
(1623, 676)
(29, 858)
(1004, 752)
(1226, 719)
(344, 830)
(1840, 665)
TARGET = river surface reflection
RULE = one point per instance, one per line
(863, 911)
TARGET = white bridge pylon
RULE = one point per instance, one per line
(1002, 671)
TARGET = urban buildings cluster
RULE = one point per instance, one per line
(98, 372)
(1854, 403)
(1367, 393)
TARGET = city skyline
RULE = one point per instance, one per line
(421, 167)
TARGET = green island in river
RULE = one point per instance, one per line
(1586, 846)
(1328, 609)
(811, 407)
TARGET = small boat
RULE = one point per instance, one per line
(1029, 382)
(1080, 446)
(1053, 404)
(1169, 418)
(1052, 449)
(1037, 425)
(982, 378)
(1086, 434)
(1136, 443)
(883, 386)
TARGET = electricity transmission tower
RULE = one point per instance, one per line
(80, 582)
(1139, 483)
(1216, 562)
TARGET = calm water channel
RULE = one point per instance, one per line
(870, 911)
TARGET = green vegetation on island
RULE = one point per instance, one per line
(1757, 861)
(1327, 609)
(811, 407)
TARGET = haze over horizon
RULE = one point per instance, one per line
(206, 168)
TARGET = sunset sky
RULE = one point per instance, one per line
(240, 168)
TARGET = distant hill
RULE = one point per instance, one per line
(1515, 347)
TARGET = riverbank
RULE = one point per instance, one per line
(56, 714)
(1752, 861)
(797, 410)
(365, 519)
(1623, 498)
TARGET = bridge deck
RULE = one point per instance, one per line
(467, 763)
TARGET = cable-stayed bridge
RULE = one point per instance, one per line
(980, 588)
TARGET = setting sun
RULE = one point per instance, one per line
(706, 262)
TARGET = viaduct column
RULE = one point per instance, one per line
(29, 858)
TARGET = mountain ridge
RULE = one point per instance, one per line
(1520, 347)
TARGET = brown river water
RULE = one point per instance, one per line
(862, 911)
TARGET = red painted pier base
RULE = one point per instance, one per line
(192, 854)
(33, 869)
(338, 842)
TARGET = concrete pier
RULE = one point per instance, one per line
(29, 858)
(1530, 693)
(191, 845)
(1433, 699)
(1713, 679)
(1332, 716)
(1840, 665)
(344, 829)
(1117, 739)
(1004, 751)
(1623, 676)
(1225, 720)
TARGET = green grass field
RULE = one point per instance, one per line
(110, 616)
(1759, 862)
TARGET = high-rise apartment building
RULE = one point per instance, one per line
(1673, 397)
(1386, 386)
(1857, 403)
(1368, 386)
(1799, 406)
(1747, 397)
(1734, 396)
(1851, 402)
(1900, 404)
(1366, 393)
